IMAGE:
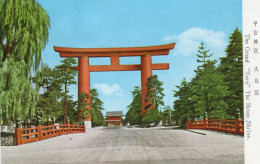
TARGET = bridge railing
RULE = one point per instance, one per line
(227, 126)
(38, 133)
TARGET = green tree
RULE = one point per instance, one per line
(167, 115)
(48, 104)
(134, 113)
(23, 34)
(209, 88)
(183, 105)
(66, 77)
(152, 116)
(155, 93)
(17, 96)
(97, 117)
(72, 112)
(24, 30)
(154, 98)
(232, 67)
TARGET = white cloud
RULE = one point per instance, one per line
(106, 89)
(188, 42)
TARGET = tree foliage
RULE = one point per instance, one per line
(18, 97)
(208, 92)
(152, 116)
(208, 88)
(155, 93)
(49, 103)
(66, 76)
(167, 115)
(232, 67)
(154, 98)
(50, 106)
(97, 117)
(72, 112)
(183, 105)
(23, 34)
(24, 30)
(134, 113)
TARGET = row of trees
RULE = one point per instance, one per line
(216, 91)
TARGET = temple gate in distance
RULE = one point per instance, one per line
(146, 66)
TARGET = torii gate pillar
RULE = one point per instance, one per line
(84, 84)
(145, 67)
(146, 72)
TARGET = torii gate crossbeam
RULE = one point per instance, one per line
(145, 67)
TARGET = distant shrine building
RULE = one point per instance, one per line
(114, 118)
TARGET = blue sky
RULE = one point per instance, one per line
(118, 23)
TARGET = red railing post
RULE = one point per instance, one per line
(237, 125)
(205, 123)
(54, 130)
(188, 124)
(68, 128)
(219, 125)
(18, 135)
(226, 126)
(40, 132)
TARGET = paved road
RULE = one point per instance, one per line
(134, 145)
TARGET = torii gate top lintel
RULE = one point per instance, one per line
(108, 52)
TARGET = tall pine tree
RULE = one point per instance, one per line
(66, 77)
(232, 68)
(134, 113)
(183, 108)
(48, 105)
(209, 88)
(155, 93)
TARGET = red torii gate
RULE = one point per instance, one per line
(146, 65)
